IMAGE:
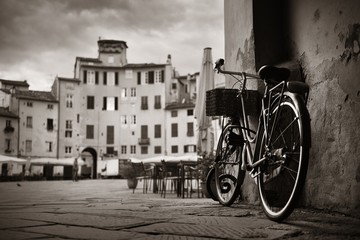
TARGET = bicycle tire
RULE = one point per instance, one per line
(228, 174)
(211, 184)
(282, 177)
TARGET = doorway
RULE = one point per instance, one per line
(89, 156)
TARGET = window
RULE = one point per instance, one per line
(128, 74)
(159, 76)
(173, 86)
(123, 120)
(174, 113)
(174, 149)
(144, 131)
(91, 77)
(157, 131)
(110, 150)
(123, 93)
(50, 106)
(49, 146)
(68, 149)
(157, 149)
(144, 103)
(123, 149)
(133, 149)
(90, 102)
(29, 104)
(28, 146)
(133, 119)
(8, 123)
(7, 145)
(68, 133)
(149, 77)
(69, 100)
(174, 130)
(110, 79)
(190, 129)
(110, 135)
(78, 118)
(50, 124)
(133, 92)
(189, 148)
(190, 112)
(29, 122)
(68, 124)
(144, 150)
(139, 78)
(157, 102)
(110, 103)
(90, 131)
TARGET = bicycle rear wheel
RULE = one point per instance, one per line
(228, 174)
(282, 176)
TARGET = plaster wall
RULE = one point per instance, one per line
(321, 39)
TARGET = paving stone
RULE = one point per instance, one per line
(88, 233)
(18, 235)
(6, 223)
(200, 230)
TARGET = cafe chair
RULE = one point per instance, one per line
(143, 173)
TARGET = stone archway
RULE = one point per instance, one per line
(90, 154)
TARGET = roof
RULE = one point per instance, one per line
(68, 79)
(110, 41)
(35, 95)
(4, 112)
(173, 106)
(16, 83)
(85, 59)
(143, 65)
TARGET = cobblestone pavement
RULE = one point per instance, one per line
(107, 209)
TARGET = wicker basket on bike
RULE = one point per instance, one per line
(226, 102)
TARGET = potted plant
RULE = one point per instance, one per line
(130, 174)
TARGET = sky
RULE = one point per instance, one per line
(40, 39)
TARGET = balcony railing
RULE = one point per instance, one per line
(144, 141)
(9, 129)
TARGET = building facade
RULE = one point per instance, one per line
(110, 109)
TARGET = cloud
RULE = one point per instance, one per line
(47, 35)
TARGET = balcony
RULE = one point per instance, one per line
(9, 129)
(144, 141)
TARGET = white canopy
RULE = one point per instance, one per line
(158, 159)
(10, 159)
(56, 161)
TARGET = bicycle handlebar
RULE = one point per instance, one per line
(220, 62)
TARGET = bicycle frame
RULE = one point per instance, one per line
(271, 96)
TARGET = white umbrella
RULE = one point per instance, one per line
(9, 159)
(206, 82)
(55, 161)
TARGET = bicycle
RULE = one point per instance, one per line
(278, 160)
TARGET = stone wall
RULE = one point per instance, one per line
(319, 40)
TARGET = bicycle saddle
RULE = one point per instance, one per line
(274, 73)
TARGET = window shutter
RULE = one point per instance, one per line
(104, 104)
(96, 77)
(116, 78)
(105, 78)
(162, 76)
(85, 76)
(139, 78)
(116, 103)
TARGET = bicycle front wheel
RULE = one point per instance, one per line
(282, 176)
(228, 174)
